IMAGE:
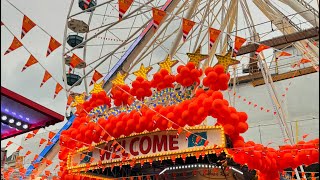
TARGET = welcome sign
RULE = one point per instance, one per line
(154, 145)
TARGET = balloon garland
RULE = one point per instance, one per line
(193, 110)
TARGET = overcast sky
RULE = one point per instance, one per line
(50, 15)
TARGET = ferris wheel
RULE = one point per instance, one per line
(95, 33)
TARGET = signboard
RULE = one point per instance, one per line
(154, 145)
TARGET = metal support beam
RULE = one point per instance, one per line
(281, 40)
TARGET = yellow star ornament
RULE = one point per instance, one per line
(167, 64)
(78, 100)
(226, 61)
(119, 80)
(97, 87)
(196, 57)
(143, 71)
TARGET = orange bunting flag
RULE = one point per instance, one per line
(58, 89)
(31, 61)
(48, 162)
(14, 45)
(46, 77)
(27, 25)
(19, 148)
(213, 35)
(124, 5)
(70, 100)
(305, 136)
(51, 135)
(27, 153)
(47, 173)
(35, 157)
(158, 16)
(261, 48)
(42, 140)
(187, 25)
(29, 136)
(49, 143)
(283, 53)
(35, 131)
(180, 129)
(238, 42)
(96, 76)
(9, 143)
(74, 61)
(303, 61)
(53, 44)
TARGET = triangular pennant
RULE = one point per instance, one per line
(53, 44)
(57, 90)
(27, 25)
(303, 61)
(187, 25)
(283, 53)
(70, 100)
(9, 143)
(213, 35)
(96, 76)
(35, 131)
(261, 48)
(31, 61)
(238, 42)
(42, 140)
(27, 153)
(46, 77)
(74, 61)
(158, 16)
(19, 148)
(14, 45)
(51, 135)
(124, 5)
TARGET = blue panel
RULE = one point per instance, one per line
(47, 149)
(192, 139)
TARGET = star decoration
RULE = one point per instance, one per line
(143, 71)
(167, 63)
(196, 57)
(226, 60)
(98, 87)
(78, 100)
(119, 80)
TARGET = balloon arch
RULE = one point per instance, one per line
(179, 104)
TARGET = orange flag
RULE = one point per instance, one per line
(261, 48)
(213, 35)
(31, 61)
(47, 173)
(187, 25)
(53, 44)
(27, 25)
(35, 157)
(14, 45)
(157, 15)
(35, 131)
(58, 89)
(96, 76)
(19, 148)
(49, 143)
(9, 143)
(303, 60)
(283, 53)
(238, 42)
(51, 134)
(48, 162)
(42, 140)
(124, 5)
(27, 153)
(70, 99)
(46, 77)
(74, 61)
